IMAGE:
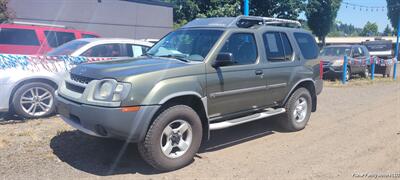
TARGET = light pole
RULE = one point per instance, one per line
(246, 7)
(397, 51)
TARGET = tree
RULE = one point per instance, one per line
(321, 15)
(370, 29)
(5, 13)
(187, 10)
(287, 9)
(393, 12)
(387, 31)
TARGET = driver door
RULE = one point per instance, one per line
(239, 87)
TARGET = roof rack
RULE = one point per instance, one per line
(241, 22)
(38, 24)
(249, 21)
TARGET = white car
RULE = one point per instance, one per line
(30, 94)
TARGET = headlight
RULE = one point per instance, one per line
(111, 90)
(337, 63)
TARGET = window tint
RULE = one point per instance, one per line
(243, 48)
(55, 39)
(88, 36)
(307, 44)
(277, 47)
(106, 50)
(18, 37)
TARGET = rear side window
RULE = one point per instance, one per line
(277, 47)
(18, 37)
(88, 36)
(55, 39)
(307, 44)
(134, 50)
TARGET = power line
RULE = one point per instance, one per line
(370, 8)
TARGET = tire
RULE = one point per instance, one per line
(348, 74)
(365, 74)
(151, 149)
(288, 120)
(27, 96)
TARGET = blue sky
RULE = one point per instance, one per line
(360, 18)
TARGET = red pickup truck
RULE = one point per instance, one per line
(36, 38)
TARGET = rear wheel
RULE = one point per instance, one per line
(348, 74)
(34, 100)
(173, 139)
(298, 110)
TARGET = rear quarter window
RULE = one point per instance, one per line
(307, 44)
(13, 36)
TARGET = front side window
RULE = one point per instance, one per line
(307, 44)
(277, 47)
(18, 37)
(105, 50)
(55, 38)
(192, 45)
(243, 48)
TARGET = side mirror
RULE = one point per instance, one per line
(223, 59)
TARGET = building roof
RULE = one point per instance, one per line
(152, 2)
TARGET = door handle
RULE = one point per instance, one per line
(259, 72)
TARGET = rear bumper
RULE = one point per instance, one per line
(106, 122)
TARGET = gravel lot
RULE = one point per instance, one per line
(356, 130)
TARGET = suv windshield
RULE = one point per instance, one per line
(336, 51)
(192, 45)
(67, 48)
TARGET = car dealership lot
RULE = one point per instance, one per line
(355, 130)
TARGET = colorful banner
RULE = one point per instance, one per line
(38, 63)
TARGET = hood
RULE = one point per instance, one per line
(119, 69)
(331, 58)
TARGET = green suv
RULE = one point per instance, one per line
(211, 74)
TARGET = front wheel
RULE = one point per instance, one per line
(173, 139)
(34, 100)
(298, 110)
(365, 74)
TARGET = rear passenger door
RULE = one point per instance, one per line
(281, 63)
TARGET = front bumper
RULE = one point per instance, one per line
(106, 121)
(332, 72)
(5, 93)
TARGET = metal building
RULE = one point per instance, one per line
(109, 18)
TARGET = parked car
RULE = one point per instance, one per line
(211, 74)
(382, 49)
(31, 95)
(333, 58)
(35, 38)
(102, 47)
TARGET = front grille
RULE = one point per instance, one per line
(74, 87)
(81, 79)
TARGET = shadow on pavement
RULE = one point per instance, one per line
(105, 157)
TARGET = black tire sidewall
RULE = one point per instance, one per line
(290, 123)
(19, 92)
(150, 149)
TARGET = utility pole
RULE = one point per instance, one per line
(246, 7)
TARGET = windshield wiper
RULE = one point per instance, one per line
(176, 56)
